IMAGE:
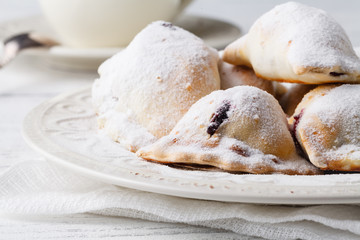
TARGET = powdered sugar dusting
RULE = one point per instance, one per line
(339, 112)
(162, 72)
(314, 37)
(122, 129)
(296, 43)
(97, 153)
(253, 137)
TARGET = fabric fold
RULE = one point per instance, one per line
(40, 187)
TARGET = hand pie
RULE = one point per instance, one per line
(241, 129)
(145, 89)
(326, 124)
(296, 43)
(289, 100)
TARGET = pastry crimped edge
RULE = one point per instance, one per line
(275, 49)
(192, 143)
(318, 151)
(235, 54)
(206, 158)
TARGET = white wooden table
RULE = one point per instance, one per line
(26, 82)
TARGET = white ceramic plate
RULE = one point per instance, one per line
(64, 130)
(215, 33)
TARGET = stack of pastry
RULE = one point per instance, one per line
(171, 99)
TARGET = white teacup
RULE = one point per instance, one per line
(106, 23)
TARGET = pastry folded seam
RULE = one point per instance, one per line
(296, 43)
(251, 135)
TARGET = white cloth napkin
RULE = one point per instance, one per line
(39, 187)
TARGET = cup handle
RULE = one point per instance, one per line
(183, 5)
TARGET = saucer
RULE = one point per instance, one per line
(215, 33)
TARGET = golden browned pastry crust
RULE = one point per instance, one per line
(298, 44)
(326, 124)
(232, 76)
(293, 96)
(145, 89)
(242, 129)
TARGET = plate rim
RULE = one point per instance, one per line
(211, 190)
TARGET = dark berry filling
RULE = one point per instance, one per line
(336, 74)
(218, 117)
(168, 25)
(297, 119)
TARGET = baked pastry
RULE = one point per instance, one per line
(326, 124)
(145, 89)
(292, 97)
(296, 43)
(241, 129)
(232, 75)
